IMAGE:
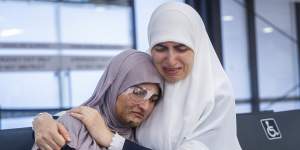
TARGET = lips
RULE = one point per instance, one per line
(171, 71)
(138, 115)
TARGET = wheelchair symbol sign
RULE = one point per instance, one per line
(271, 129)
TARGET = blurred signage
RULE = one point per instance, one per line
(52, 63)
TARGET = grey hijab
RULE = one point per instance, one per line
(127, 69)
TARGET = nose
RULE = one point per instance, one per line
(145, 105)
(171, 58)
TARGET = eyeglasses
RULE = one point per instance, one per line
(139, 95)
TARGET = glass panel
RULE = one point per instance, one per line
(70, 23)
(243, 108)
(22, 25)
(276, 49)
(280, 106)
(29, 90)
(101, 24)
(83, 85)
(235, 51)
(28, 52)
(21, 122)
(89, 52)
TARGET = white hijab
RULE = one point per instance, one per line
(197, 113)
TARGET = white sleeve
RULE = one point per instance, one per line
(117, 142)
(61, 113)
(217, 132)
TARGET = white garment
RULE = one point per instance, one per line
(117, 142)
(197, 113)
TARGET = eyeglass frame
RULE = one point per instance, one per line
(130, 91)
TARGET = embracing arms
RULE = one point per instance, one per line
(52, 135)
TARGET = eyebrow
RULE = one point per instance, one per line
(177, 45)
(161, 45)
(180, 45)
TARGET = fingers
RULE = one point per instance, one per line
(48, 134)
(57, 142)
(80, 109)
(45, 147)
(53, 145)
(64, 132)
(76, 110)
(46, 143)
(39, 119)
(88, 122)
(77, 116)
(83, 110)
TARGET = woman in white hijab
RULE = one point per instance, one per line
(197, 111)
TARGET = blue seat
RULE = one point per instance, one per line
(16, 139)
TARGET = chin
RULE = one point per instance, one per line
(134, 124)
(131, 123)
(172, 80)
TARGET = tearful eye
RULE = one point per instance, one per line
(182, 48)
(139, 92)
(154, 98)
(159, 48)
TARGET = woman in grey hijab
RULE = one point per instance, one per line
(129, 81)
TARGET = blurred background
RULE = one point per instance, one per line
(53, 52)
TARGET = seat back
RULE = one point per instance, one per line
(16, 139)
(269, 130)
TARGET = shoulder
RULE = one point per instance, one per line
(71, 123)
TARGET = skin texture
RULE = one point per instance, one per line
(49, 134)
(132, 113)
(174, 61)
(95, 124)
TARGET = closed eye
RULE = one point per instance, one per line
(181, 48)
(159, 48)
(155, 98)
